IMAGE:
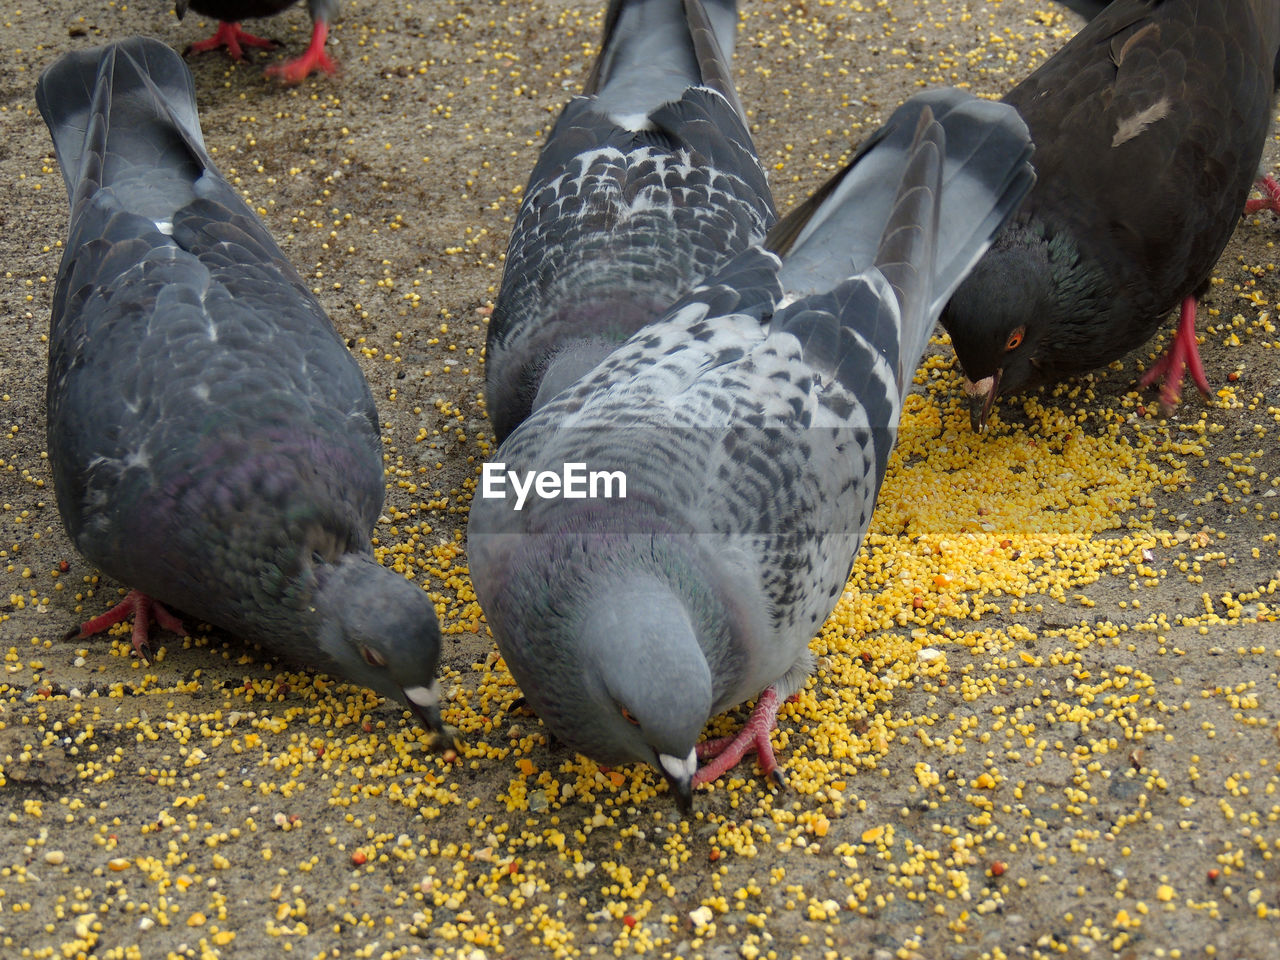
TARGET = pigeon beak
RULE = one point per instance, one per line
(680, 776)
(683, 791)
(982, 395)
(425, 704)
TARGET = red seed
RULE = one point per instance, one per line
(629, 920)
(714, 855)
(359, 858)
(63, 566)
(1213, 875)
(998, 868)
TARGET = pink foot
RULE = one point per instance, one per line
(1270, 199)
(1182, 353)
(230, 35)
(726, 752)
(143, 609)
(295, 71)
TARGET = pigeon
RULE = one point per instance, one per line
(213, 443)
(228, 13)
(648, 182)
(1149, 125)
(692, 505)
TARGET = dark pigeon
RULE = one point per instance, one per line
(213, 443)
(744, 436)
(647, 184)
(1149, 126)
(229, 13)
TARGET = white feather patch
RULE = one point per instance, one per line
(1130, 127)
(634, 122)
(680, 770)
(424, 696)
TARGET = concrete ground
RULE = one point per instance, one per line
(1045, 720)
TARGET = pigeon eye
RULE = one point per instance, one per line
(1015, 339)
(372, 657)
(626, 715)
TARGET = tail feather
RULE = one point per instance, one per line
(908, 247)
(110, 109)
(654, 49)
(961, 168)
(986, 175)
(713, 28)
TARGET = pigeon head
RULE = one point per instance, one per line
(381, 631)
(605, 649)
(997, 319)
(646, 680)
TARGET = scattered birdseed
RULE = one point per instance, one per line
(1072, 775)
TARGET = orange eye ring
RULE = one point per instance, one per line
(372, 657)
(626, 715)
(1015, 339)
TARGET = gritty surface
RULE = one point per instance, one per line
(1046, 718)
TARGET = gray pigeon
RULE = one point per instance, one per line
(230, 35)
(213, 443)
(693, 505)
(648, 183)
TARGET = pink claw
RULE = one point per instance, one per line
(1182, 353)
(726, 752)
(230, 35)
(313, 59)
(143, 609)
(1270, 199)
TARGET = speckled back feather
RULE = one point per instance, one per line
(647, 184)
